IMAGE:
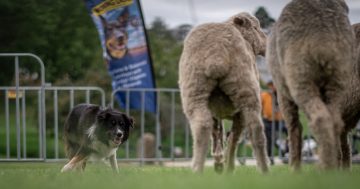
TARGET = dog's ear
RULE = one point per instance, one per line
(129, 120)
(124, 16)
(102, 114)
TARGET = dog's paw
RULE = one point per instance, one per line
(67, 168)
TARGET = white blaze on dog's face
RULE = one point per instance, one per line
(112, 127)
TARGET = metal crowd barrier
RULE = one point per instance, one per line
(42, 123)
(18, 133)
(168, 125)
(172, 94)
(164, 96)
(21, 137)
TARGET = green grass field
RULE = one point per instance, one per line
(47, 175)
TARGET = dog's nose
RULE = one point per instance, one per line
(119, 135)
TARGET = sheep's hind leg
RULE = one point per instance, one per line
(292, 123)
(201, 124)
(232, 141)
(253, 120)
(345, 151)
(218, 145)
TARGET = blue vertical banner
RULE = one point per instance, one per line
(125, 49)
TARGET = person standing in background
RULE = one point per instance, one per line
(271, 115)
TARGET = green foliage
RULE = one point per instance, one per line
(165, 51)
(60, 32)
(264, 17)
(63, 34)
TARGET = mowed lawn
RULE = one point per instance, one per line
(47, 175)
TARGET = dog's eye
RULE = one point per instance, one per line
(113, 122)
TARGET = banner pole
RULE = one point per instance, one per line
(147, 42)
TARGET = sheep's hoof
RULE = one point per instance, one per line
(219, 167)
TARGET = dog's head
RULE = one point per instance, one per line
(113, 127)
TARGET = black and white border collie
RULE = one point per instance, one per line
(92, 132)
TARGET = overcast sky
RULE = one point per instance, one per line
(177, 12)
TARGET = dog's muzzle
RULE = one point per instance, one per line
(118, 137)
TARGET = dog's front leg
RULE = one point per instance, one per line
(75, 162)
(81, 165)
(113, 163)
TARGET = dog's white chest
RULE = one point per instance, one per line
(102, 151)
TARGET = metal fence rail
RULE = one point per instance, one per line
(18, 133)
(31, 122)
(175, 126)
(169, 126)
(42, 123)
(170, 97)
(21, 140)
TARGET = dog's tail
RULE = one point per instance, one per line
(70, 147)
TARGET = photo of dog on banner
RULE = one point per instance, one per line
(123, 34)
